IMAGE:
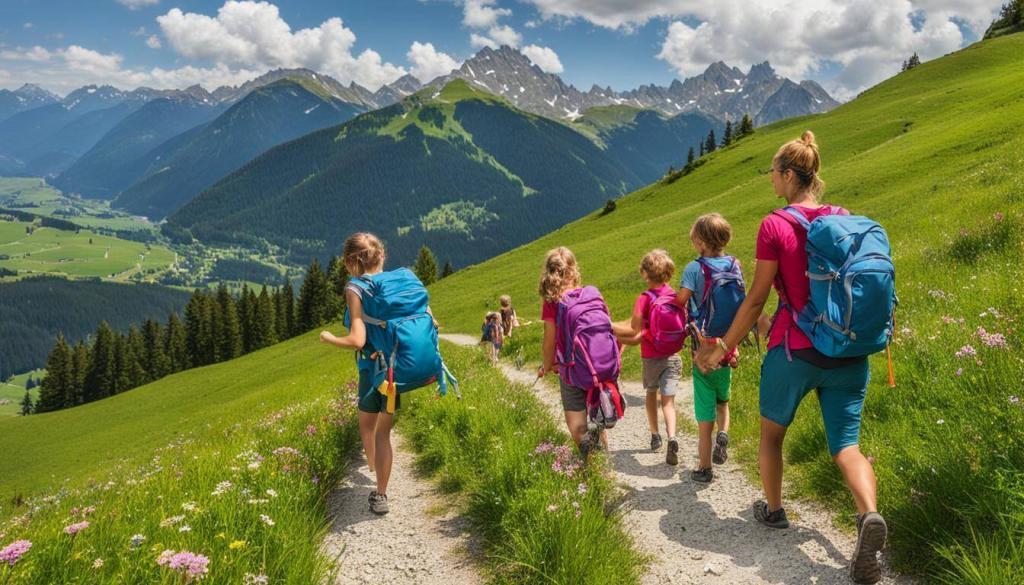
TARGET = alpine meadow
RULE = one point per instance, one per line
(347, 293)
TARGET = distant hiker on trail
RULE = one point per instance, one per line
(406, 328)
(801, 334)
(658, 324)
(712, 286)
(492, 337)
(580, 346)
(509, 319)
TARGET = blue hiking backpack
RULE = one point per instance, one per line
(724, 292)
(853, 284)
(401, 338)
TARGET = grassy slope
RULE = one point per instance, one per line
(929, 153)
(81, 443)
(18, 191)
(14, 391)
(53, 251)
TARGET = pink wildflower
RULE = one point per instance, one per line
(545, 447)
(191, 565)
(959, 371)
(75, 528)
(13, 552)
(992, 339)
(966, 351)
(998, 216)
(310, 430)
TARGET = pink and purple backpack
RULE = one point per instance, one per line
(665, 324)
(588, 353)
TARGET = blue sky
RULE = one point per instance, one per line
(62, 44)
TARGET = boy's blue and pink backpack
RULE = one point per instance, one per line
(724, 292)
(665, 324)
(588, 353)
(853, 284)
(401, 338)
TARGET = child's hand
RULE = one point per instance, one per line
(327, 337)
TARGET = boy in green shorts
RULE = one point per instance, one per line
(709, 235)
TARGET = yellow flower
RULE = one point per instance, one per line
(237, 544)
(220, 535)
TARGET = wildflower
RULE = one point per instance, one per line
(310, 430)
(257, 501)
(545, 447)
(991, 339)
(237, 544)
(254, 465)
(941, 421)
(1014, 399)
(13, 552)
(97, 564)
(189, 506)
(171, 521)
(266, 520)
(185, 528)
(959, 372)
(73, 529)
(191, 565)
(221, 488)
(938, 294)
(251, 579)
(966, 351)
(136, 541)
(271, 493)
(998, 216)
(552, 507)
(581, 489)
(287, 452)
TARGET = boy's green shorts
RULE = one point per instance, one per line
(709, 390)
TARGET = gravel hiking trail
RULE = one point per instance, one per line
(705, 533)
(421, 541)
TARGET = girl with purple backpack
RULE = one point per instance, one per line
(578, 344)
(658, 325)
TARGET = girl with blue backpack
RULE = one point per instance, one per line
(394, 335)
(580, 346)
(836, 285)
(713, 288)
(658, 325)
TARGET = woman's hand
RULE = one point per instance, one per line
(327, 337)
(709, 357)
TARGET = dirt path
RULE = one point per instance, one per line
(421, 541)
(706, 533)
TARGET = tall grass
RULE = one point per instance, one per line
(542, 517)
(244, 505)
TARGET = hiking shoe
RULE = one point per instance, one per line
(672, 453)
(871, 533)
(702, 475)
(720, 454)
(378, 503)
(655, 442)
(776, 519)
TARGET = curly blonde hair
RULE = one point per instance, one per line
(658, 266)
(363, 251)
(713, 231)
(505, 301)
(802, 157)
(559, 275)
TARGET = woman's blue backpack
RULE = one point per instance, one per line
(401, 338)
(853, 284)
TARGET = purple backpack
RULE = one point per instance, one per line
(588, 353)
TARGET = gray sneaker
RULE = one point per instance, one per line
(776, 519)
(378, 503)
(655, 442)
(672, 453)
(720, 453)
(702, 475)
(871, 533)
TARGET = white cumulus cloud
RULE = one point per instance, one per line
(482, 13)
(137, 4)
(153, 42)
(253, 35)
(428, 63)
(543, 57)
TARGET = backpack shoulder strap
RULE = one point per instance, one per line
(364, 287)
(794, 217)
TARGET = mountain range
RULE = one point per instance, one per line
(459, 169)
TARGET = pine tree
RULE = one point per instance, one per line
(447, 270)
(337, 278)
(79, 369)
(711, 143)
(746, 126)
(198, 328)
(26, 404)
(702, 148)
(288, 294)
(314, 296)
(122, 365)
(280, 318)
(138, 373)
(727, 139)
(690, 157)
(101, 375)
(58, 378)
(426, 266)
(914, 61)
(265, 332)
(156, 362)
(176, 345)
(230, 330)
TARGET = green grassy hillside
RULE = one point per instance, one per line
(935, 155)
